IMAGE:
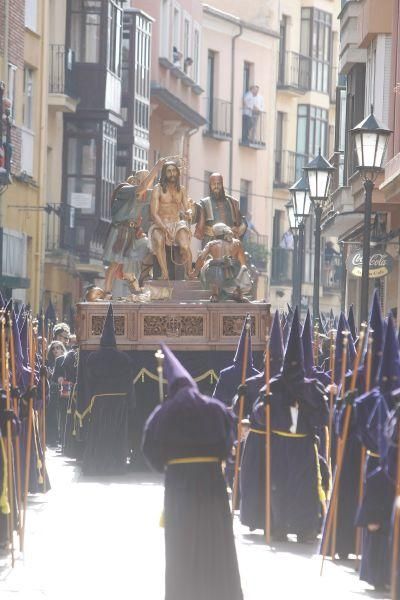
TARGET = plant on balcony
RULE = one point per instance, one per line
(258, 252)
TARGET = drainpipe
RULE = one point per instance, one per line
(233, 49)
(39, 252)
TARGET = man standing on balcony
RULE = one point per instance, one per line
(219, 207)
(253, 106)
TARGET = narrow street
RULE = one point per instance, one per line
(100, 538)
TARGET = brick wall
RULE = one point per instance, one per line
(16, 57)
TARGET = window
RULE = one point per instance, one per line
(279, 166)
(186, 40)
(316, 43)
(210, 87)
(312, 131)
(207, 175)
(27, 115)
(31, 14)
(85, 30)
(10, 91)
(282, 49)
(165, 29)
(122, 167)
(196, 54)
(125, 62)
(245, 193)
(176, 35)
(141, 158)
(108, 167)
(81, 170)
(142, 78)
(247, 71)
(114, 37)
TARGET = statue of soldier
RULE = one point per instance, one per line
(222, 266)
(171, 214)
(219, 207)
(127, 245)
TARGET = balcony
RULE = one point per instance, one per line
(350, 36)
(282, 266)
(294, 73)
(14, 248)
(219, 114)
(253, 130)
(288, 167)
(62, 96)
(331, 274)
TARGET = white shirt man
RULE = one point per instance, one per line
(253, 101)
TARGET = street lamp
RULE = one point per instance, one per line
(318, 174)
(371, 140)
(300, 209)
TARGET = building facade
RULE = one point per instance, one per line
(305, 117)
(23, 54)
(239, 50)
(368, 59)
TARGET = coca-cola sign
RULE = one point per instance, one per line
(380, 264)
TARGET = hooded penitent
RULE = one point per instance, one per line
(276, 346)
(377, 326)
(310, 369)
(371, 413)
(342, 327)
(231, 377)
(105, 409)
(293, 361)
(108, 334)
(188, 435)
(352, 323)
(255, 383)
(307, 339)
(298, 409)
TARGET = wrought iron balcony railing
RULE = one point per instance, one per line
(61, 70)
(282, 266)
(218, 115)
(332, 272)
(288, 167)
(294, 71)
(253, 130)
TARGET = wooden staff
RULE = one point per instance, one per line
(395, 554)
(342, 392)
(331, 396)
(396, 524)
(363, 449)
(267, 447)
(9, 451)
(43, 415)
(29, 427)
(16, 411)
(316, 343)
(241, 409)
(341, 450)
(160, 362)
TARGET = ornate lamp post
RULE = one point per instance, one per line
(298, 211)
(370, 141)
(318, 174)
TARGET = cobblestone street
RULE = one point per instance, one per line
(101, 539)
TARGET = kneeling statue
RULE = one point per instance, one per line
(222, 266)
